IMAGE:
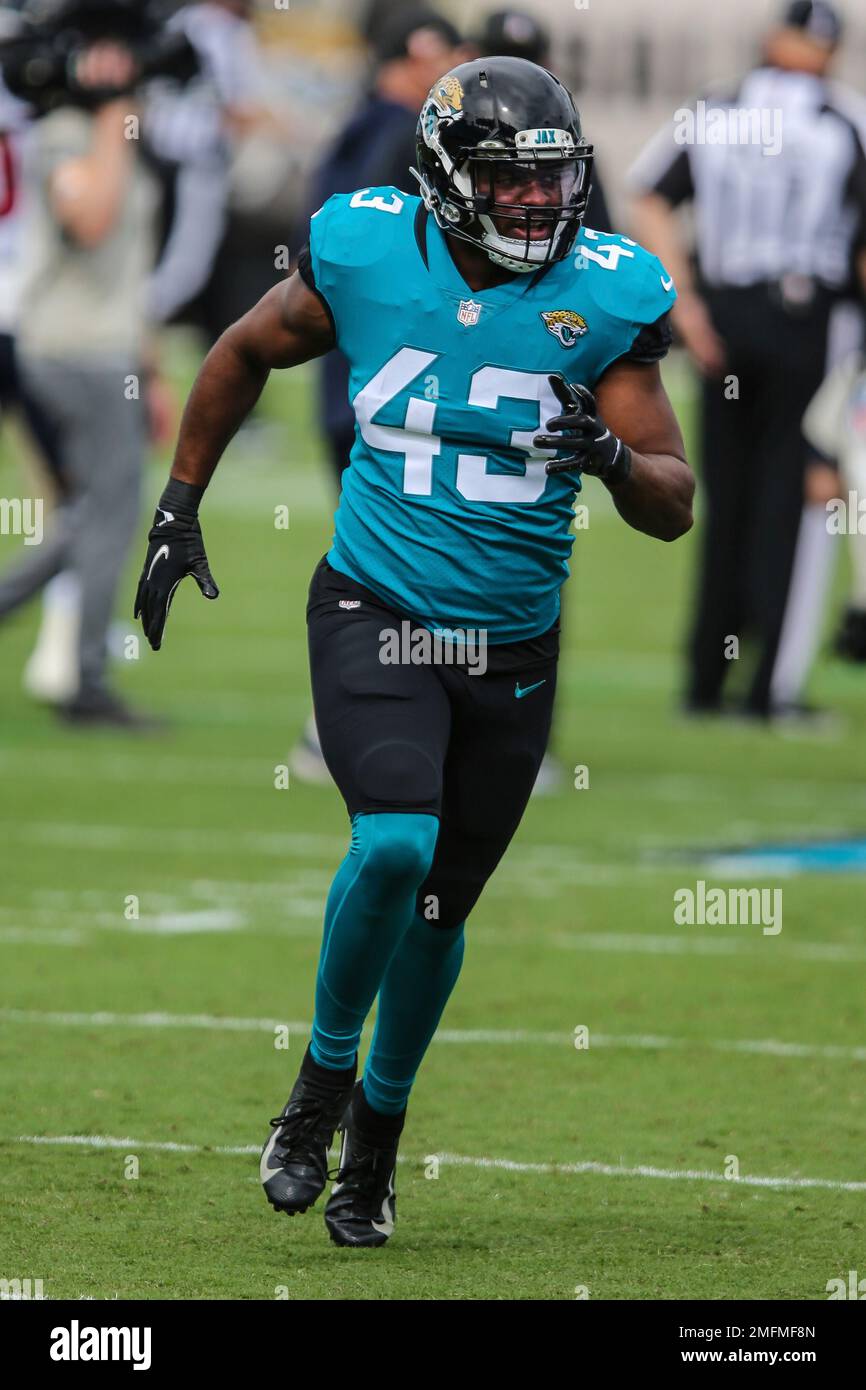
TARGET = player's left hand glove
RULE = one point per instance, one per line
(175, 549)
(580, 428)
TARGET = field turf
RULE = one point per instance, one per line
(532, 1168)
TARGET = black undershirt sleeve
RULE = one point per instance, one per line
(305, 268)
(652, 342)
(307, 274)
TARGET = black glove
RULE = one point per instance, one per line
(175, 549)
(581, 428)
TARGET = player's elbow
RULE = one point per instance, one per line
(678, 517)
(677, 525)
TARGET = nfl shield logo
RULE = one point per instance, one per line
(468, 313)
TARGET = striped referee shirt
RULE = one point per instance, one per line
(777, 175)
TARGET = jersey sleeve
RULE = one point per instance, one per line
(351, 237)
(633, 294)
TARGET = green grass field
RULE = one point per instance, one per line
(559, 1169)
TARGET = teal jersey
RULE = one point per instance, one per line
(446, 510)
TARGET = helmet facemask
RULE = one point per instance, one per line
(474, 190)
(527, 210)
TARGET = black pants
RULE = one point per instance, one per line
(14, 391)
(754, 458)
(429, 738)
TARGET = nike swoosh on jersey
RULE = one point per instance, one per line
(667, 284)
(527, 690)
(161, 554)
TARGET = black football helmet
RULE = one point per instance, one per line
(486, 124)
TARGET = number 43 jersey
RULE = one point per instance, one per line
(446, 511)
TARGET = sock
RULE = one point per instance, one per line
(369, 909)
(414, 992)
(805, 607)
(326, 1076)
(374, 1128)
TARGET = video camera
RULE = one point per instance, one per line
(41, 42)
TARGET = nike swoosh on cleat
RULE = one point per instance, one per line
(519, 694)
(385, 1227)
(342, 1159)
(265, 1171)
(161, 554)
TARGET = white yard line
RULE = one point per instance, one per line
(651, 1042)
(509, 1165)
(119, 767)
(685, 943)
(30, 936)
(310, 909)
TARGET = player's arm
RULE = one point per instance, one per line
(289, 325)
(627, 435)
(656, 497)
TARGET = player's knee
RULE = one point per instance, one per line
(399, 773)
(398, 848)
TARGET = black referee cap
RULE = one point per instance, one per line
(391, 38)
(816, 18)
(514, 34)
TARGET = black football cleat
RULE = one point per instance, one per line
(294, 1162)
(362, 1207)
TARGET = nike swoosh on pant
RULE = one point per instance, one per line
(519, 694)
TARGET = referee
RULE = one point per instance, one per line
(777, 176)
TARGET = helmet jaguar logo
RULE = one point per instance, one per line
(449, 94)
(565, 325)
(444, 102)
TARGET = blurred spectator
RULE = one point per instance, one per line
(189, 131)
(90, 244)
(835, 426)
(377, 146)
(47, 674)
(14, 123)
(779, 188)
(190, 134)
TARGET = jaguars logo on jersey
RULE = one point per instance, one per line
(565, 325)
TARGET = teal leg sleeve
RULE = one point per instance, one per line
(369, 909)
(415, 990)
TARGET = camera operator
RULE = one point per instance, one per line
(81, 341)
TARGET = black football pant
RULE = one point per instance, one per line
(754, 459)
(429, 738)
(15, 391)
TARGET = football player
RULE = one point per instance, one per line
(498, 352)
